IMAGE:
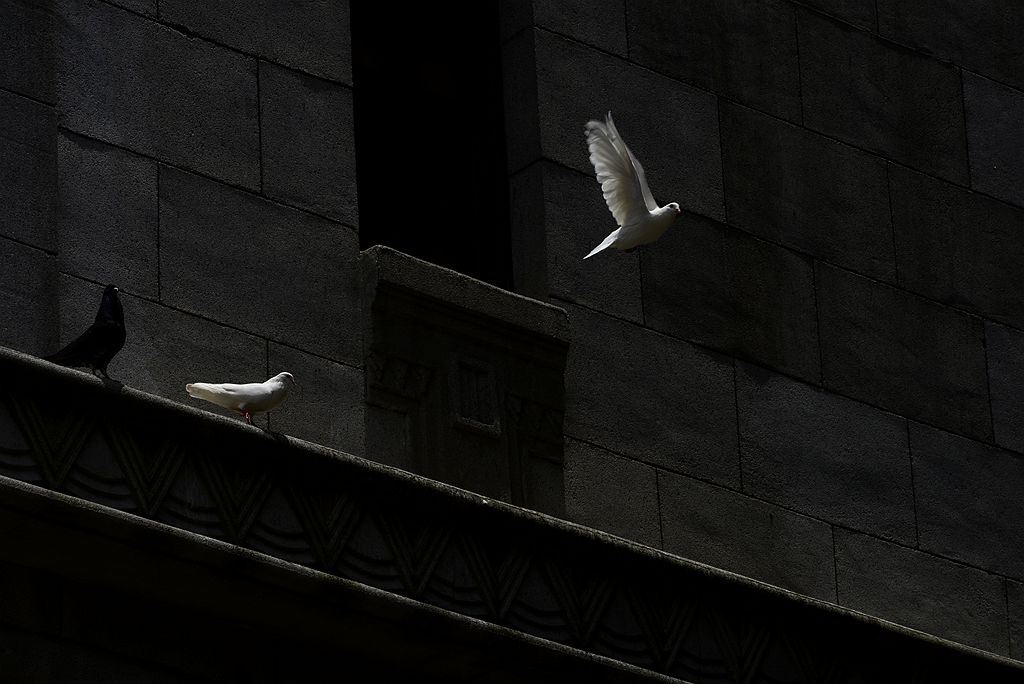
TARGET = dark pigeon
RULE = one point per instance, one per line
(100, 342)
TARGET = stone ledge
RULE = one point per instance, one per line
(376, 633)
(384, 265)
(406, 536)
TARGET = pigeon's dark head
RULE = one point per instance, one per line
(110, 307)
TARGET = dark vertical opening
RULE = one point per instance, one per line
(430, 136)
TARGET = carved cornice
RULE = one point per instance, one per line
(394, 531)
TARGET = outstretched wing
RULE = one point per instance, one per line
(621, 145)
(620, 176)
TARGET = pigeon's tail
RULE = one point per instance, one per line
(202, 390)
(71, 355)
(605, 244)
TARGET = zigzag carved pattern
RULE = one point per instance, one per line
(584, 601)
(431, 548)
(239, 493)
(665, 625)
(497, 580)
(328, 523)
(417, 553)
(55, 440)
(150, 473)
(15, 453)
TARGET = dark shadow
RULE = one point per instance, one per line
(112, 385)
(430, 139)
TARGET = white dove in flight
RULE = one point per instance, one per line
(248, 399)
(622, 179)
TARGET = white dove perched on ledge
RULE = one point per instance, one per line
(622, 179)
(248, 399)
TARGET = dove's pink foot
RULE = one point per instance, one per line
(247, 416)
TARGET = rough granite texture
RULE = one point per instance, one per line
(967, 498)
(26, 48)
(869, 93)
(612, 493)
(672, 406)
(108, 228)
(28, 170)
(800, 445)
(807, 192)
(983, 37)
(720, 287)
(28, 282)
(994, 137)
(746, 535)
(744, 50)
(921, 591)
(960, 247)
(903, 353)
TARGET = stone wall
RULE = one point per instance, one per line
(815, 378)
(201, 157)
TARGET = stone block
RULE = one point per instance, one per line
(672, 128)
(601, 23)
(326, 406)
(903, 353)
(611, 493)
(881, 97)
(147, 7)
(721, 288)
(824, 455)
(744, 50)
(107, 227)
(995, 138)
(137, 84)
(559, 216)
(958, 246)
(790, 185)
(650, 397)
(734, 532)
(256, 265)
(1005, 348)
(921, 591)
(26, 48)
(312, 36)
(309, 157)
(28, 299)
(28, 170)
(983, 37)
(968, 500)
(857, 12)
(1015, 607)
(165, 349)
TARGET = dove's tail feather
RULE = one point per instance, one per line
(605, 244)
(203, 390)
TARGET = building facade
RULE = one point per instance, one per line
(812, 380)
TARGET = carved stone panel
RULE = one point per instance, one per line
(464, 381)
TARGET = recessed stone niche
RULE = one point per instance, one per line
(463, 380)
